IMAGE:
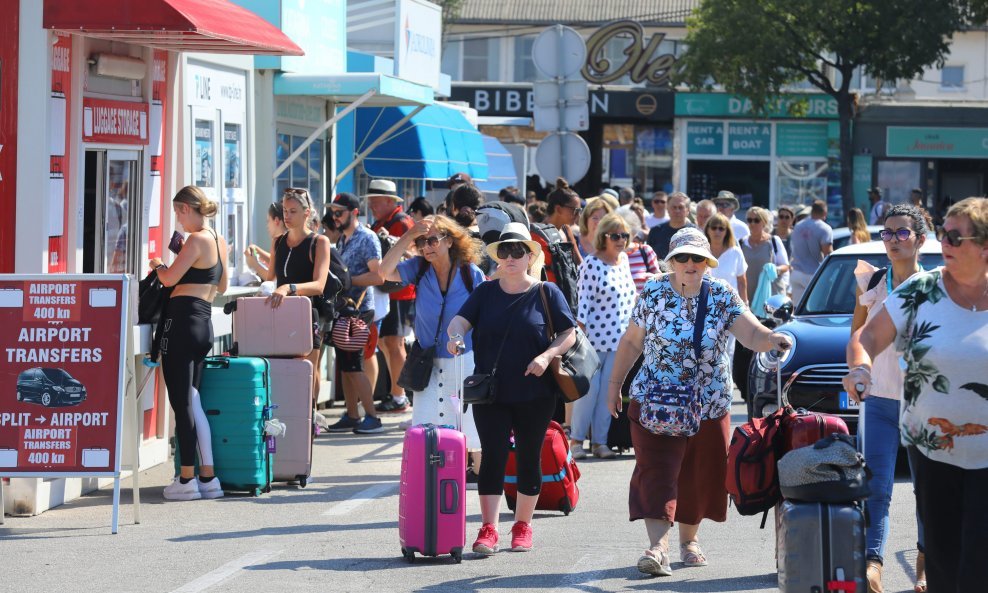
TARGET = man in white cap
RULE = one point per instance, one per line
(384, 204)
(727, 204)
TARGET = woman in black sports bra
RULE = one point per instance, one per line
(198, 274)
(300, 264)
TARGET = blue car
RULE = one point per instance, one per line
(820, 327)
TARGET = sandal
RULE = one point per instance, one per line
(692, 557)
(655, 563)
(920, 586)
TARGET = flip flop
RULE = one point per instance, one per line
(692, 558)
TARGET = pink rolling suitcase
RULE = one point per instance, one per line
(260, 330)
(432, 517)
(291, 393)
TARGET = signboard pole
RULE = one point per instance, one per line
(61, 403)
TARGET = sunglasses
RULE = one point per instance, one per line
(899, 234)
(723, 205)
(575, 209)
(786, 217)
(754, 220)
(303, 193)
(685, 257)
(952, 237)
(658, 201)
(512, 250)
(432, 241)
(717, 228)
(338, 213)
(618, 236)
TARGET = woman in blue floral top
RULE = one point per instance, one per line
(938, 321)
(681, 458)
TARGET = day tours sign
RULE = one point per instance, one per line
(62, 342)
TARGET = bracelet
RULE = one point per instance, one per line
(864, 368)
(456, 337)
(159, 266)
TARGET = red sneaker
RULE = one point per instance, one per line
(521, 537)
(486, 543)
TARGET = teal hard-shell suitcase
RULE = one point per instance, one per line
(236, 396)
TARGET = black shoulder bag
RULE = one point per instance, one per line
(417, 371)
(482, 387)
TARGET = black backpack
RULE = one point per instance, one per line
(338, 282)
(560, 263)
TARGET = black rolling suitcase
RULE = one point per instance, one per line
(619, 434)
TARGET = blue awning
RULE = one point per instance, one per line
(500, 167)
(434, 144)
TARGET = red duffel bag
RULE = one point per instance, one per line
(559, 474)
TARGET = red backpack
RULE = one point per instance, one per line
(752, 477)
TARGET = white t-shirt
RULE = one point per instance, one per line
(730, 265)
(606, 297)
(886, 374)
(653, 220)
(945, 393)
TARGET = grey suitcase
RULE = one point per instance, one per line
(291, 395)
(821, 548)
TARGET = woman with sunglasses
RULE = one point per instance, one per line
(642, 260)
(938, 321)
(903, 236)
(606, 296)
(681, 478)
(445, 273)
(785, 219)
(760, 249)
(731, 265)
(563, 211)
(301, 265)
(510, 309)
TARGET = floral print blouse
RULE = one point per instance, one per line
(667, 319)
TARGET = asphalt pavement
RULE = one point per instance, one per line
(340, 534)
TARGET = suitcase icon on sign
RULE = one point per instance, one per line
(95, 458)
(11, 298)
(102, 297)
(8, 457)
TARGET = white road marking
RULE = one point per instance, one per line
(584, 575)
(226, 571)
(360, 498)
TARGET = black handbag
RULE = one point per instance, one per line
(575, 368)
(481, 388)
(151, 297)
(417, 371)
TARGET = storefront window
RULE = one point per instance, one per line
(525, 70)
(305, 171)
(897, 178)
(801, 182)
(638, 156)
(203, 158)
(481, 61)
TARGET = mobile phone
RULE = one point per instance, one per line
(175, 245)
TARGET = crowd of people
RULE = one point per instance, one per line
(664, 293)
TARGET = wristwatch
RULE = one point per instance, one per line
(292, 290)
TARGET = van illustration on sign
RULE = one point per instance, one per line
(49, 387)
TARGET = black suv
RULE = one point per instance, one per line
(49, 387)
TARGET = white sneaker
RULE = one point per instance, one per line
(404, 425)
(179, 491)
(210, 489)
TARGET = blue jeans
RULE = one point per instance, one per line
(880, 446)
(590, 411)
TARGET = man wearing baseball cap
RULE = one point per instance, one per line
(727, 204)
(360, 250)
(384, 204)
(878, 206)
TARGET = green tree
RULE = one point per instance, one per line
(755, 48)
(451, 12)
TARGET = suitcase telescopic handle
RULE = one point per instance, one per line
(217, 363)
(449, 501)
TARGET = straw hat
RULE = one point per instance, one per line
(383, 187)
(692, 241)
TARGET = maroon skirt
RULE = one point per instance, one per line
(679, 478)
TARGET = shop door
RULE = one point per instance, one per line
(112, 210)
(961, 185)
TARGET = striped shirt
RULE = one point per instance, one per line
(642, 268)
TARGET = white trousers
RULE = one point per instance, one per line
(435, 405)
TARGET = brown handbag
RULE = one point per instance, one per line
(575, 368)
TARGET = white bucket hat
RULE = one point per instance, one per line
(383, 187)
(692, 241)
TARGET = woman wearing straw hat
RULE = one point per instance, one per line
(681, 456)
(510, 309)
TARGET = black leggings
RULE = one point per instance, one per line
(529, 421)
(185, 342)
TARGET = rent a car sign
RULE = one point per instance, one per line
(62, 341)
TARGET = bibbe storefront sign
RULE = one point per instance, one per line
(62, 342)
(114, 122)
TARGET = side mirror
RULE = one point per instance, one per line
(779, 306)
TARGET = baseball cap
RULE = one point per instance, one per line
(459, 178)
(346, 200)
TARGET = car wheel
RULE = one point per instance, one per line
(46, 399)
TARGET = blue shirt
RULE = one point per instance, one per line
(668, 349)
(492, 313)
(362, 247)
(429, 301)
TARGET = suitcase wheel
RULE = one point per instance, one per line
(408, 554)
(511, 503)
(457, 555)
(565, 506)
(302, 481)
(255, 492)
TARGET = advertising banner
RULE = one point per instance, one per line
(418, 42)
(9, 37)
(114, 122)
(59, 149)
(62, 341)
